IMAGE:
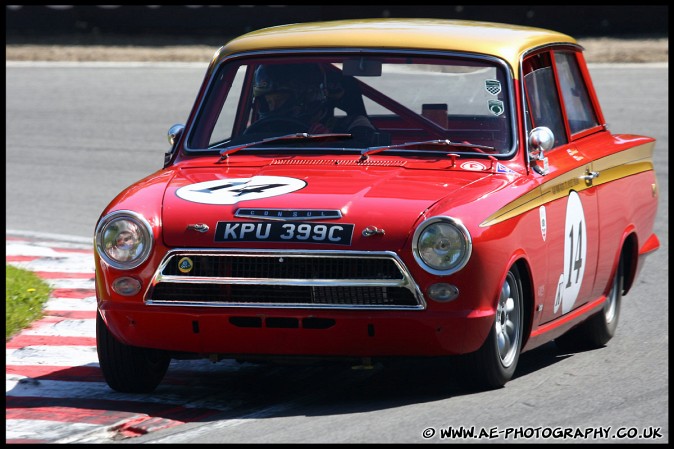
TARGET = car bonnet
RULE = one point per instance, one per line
(388, 197)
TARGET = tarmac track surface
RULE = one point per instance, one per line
(55, 393)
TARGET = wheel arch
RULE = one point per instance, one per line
(629, 252)
(528, 308)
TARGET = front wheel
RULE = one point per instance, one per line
(128, 369)
(494, 364)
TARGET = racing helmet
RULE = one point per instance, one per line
(305, 84)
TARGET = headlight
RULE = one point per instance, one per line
(124, 239)
(442, 245)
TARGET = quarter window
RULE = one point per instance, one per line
(542, 96)
(579, 109)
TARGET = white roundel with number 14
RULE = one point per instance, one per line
(575, 255)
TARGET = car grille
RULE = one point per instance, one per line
(322, 279)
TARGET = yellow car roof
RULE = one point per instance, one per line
(508, 42)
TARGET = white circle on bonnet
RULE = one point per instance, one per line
(234, 190)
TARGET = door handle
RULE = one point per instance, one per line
(589, 176)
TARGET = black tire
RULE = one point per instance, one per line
(128, 369)
(494, 364)
(601, 327)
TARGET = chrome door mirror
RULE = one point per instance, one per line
(541, 139)
(174, 134)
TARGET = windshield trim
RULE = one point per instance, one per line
(348, 51)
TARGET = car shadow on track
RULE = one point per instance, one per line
(198, 391)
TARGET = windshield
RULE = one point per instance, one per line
(371, 100)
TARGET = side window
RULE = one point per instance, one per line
(542, 98)
(579, 109)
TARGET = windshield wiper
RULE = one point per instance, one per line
(224, 154)
(439, 142)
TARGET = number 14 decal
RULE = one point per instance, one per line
(575, 263)
(575, 251)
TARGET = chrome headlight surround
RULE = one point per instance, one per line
(442, 245)
(124, 239)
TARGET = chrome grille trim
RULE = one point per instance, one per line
(404, 282)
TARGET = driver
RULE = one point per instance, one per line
(291, 92)
(300, 93)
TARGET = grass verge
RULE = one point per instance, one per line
(25, 296)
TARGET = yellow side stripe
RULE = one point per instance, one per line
(610, 168)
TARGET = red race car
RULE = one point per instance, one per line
(366, 189)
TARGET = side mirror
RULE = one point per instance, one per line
(541, 139)
(174, 134)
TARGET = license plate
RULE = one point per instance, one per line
(297, 232)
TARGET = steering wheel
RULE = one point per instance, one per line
(278, 124)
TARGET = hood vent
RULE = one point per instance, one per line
(343, 162)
